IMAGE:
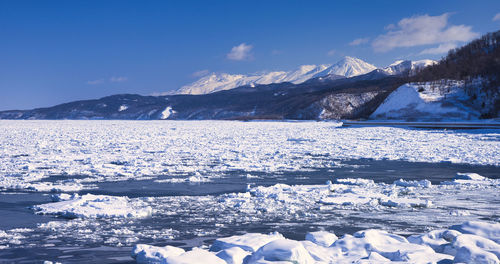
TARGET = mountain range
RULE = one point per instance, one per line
(350, 88)
(345, 68)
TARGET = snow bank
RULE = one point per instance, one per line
(475, 249)
(196, 255)
(426, 101)
(321, 238)
(436, 239)
(366, 246)
(150, 254)
(281, 250)
(249, 242)
(392, 247)
(233, 255)
(95, 206)
(165, 114)
(487, 230)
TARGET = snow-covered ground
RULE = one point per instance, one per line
(98, 151)
(445, 100)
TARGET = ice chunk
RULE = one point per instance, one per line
(393, 247)
(348, 199)
(357, 181)
(322, 254)
(471, 179)
(150, 254)
(234, 255)
(197, 178)
(469, 176)
(483, 229)
(64, 197)
(321, 238)
(54, 187)
(406, 202)
(282, 250)
(476, 249)
(422, 183)
(374, 256)
(435, 239)
(249, 242)
(195, 256)
(96, 206)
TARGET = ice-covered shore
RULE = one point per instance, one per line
(468, 196)
(470, 242)
(87, 152)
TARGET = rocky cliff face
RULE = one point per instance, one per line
(345, 105)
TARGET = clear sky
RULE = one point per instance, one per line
(53, 52)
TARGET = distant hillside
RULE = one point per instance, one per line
(351, 98)
(479, 58)
(477, 66)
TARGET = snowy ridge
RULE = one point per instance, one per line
(347, 67)
(402, 66)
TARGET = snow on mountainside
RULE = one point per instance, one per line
(350, 67)
(402, 66)
(214, 82)
(443, 101)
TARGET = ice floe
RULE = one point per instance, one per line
(344, 203)
(95, 206)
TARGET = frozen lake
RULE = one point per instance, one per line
(188, 183)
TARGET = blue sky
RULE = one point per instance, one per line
(53, 52)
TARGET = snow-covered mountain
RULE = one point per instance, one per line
(402, 66)
(346, 67)
(349, 67)
(214, 82)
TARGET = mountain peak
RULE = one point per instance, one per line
(350, 66)
(347, 66)
(402, 66)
